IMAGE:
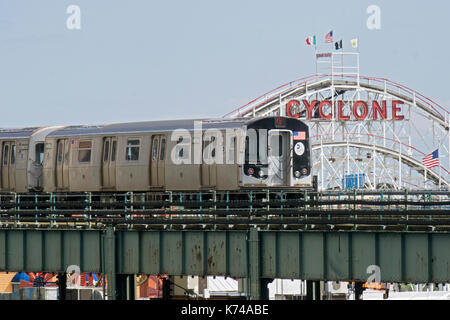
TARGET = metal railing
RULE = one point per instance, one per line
(241, 208)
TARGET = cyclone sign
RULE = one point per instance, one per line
(359, 111)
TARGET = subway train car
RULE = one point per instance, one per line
(22, 155)
(184, 155)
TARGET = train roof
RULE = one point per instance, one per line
(148, 126)
(131, 127)
(21, 133)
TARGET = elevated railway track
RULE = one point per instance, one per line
(266, 209)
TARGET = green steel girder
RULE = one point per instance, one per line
(420, 257)
(49, 250)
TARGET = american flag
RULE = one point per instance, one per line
(431, 160)
(299, 135)
(329, 37)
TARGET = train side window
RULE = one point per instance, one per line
(163, 149)
(155, 149)
(231, 151)
(13, 154)
(39, 152)
(132, 152)
(5, 154)
(247, 149)
(60, 151)
(180, 150)
(113, 151)
(84, 151)
(106, 151)
(213, 151)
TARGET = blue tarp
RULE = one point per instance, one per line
(20, 276)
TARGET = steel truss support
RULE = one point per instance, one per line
(109, 257)
(254, 265)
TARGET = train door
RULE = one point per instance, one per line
(209, 166)
(278, 157)
(8, 166)
(157, 167)
(62, 163)
(109, 161)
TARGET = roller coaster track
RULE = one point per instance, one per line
(270, 100)
(403, 142)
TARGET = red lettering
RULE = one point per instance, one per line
(395, 109)
(289, 106)
(377, 109)
(360, 109)
(355, 110)
(328, 116)
(310, 107)
(340, 115)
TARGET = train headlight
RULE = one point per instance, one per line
(304, 171)
(261, 173)
(297, 174)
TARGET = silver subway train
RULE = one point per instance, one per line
(174, 155)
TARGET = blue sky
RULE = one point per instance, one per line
(144, 60)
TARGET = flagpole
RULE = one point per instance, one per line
(440, 172)
(315, 51)
(342, 61)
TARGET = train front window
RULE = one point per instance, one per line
(39, 152)
(132, 152)
(276, 145)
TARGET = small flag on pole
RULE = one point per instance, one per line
(354, 43)
(311, 40)
(338, 45)
(329, 37)
(431, 160)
